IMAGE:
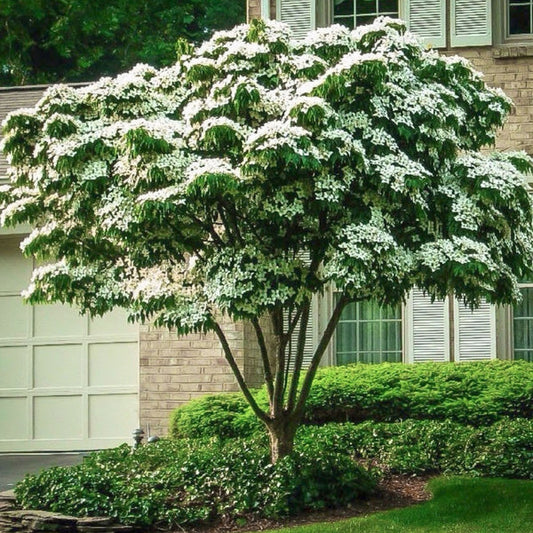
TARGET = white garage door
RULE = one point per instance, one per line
(66, 382)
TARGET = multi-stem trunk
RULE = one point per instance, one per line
(287, 396)
(281, 433)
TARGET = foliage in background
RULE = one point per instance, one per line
(256, 172)
(503, 449)
(171, 484)
(49, 41)
(477, 393)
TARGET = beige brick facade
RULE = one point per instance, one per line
(508, 69)
(175, 369)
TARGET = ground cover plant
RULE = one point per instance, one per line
(174, 484)
(258, 171)
(476, 394)
(458, 504)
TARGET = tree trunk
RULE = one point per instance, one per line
(281, 434)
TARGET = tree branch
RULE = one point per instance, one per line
(277, 323)
(299, 355)
(264, 356)
(238, 375)
(319, 352)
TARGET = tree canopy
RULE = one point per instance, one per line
(48, 41)
(258, 171)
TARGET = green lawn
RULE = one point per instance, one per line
(459, 505)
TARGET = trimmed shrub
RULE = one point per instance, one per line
(477, 394)
(176, 483)
(504, 449)
(221, 415)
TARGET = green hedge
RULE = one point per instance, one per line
(176, 483)
(478, 394)
(503, 449)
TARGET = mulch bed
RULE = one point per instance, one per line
(393, 492)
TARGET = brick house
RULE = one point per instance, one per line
(67, 382)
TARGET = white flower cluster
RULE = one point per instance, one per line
(462, 250)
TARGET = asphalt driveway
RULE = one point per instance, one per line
(13, 467)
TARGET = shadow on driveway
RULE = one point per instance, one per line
(13, 467)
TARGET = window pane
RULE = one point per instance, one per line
(343, 7)
(523, 325)
(366, 6)
(345, 21)
(349, 312)
(392, 335)
(391, 357)
(346, 341)
(388, 6)
(360, 21)
(368, 333)
(526, 355)
(369, 310)
(519, 19)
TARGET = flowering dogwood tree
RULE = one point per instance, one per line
(259, 171)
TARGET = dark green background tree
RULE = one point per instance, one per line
(46, 41)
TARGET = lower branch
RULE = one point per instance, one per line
(319, 352)
(238, 375)
(264, 356)
(299, 355)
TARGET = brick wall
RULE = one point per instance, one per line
(175, 369)
(507, 69)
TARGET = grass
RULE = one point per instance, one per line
(459, 505)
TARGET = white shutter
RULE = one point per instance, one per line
(427, 20)
(475, 338)
(428, 329)
(300, 15)
(471, 23)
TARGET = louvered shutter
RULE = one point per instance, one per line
(428, 330)
(475, 338)
(311, 340)
(300, 15)
(427, 19)
(471, 23)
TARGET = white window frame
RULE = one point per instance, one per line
(500, 26)
(526, 285)
(332, 8)
(324, 312)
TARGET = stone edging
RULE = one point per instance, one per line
(13, 520)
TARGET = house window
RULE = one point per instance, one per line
(523, 325)
(369, 333)
(519, 17)
(354, 13)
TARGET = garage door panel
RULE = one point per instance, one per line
(13, 367)
(110, 364)
(113, 323)
(58, 320)
(57, 417)
(57, 365)
(14, 316)
(66, 382)
(112, 415)
(14, 268)
(14, 422)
